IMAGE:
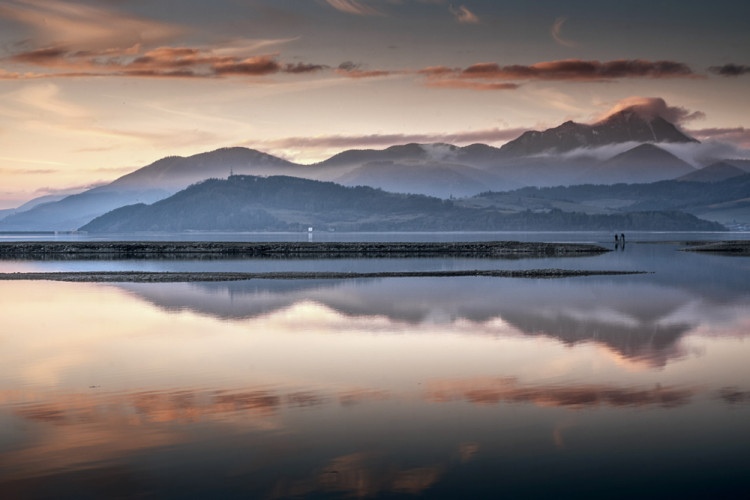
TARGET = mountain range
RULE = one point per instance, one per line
(281, 203)
(561, 156)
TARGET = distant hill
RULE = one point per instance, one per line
(625, 126)
(146, 185)
(75, 210)
(642, 164)
(723, 201)
(739, 163)
(250, 203)
(177, 172)
(716, 172)
(444, 180)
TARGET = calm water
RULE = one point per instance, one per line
(595, 387)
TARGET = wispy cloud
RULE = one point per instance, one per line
(464, 15)
(493, 135)
(45, 97)
(456, 83)
(556, 33)
(730, 70)
(32, 161)
(356, 7)
(83, 27)
(739, 136)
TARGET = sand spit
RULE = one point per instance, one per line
(738, 247)
(63, 250)
(174, 277)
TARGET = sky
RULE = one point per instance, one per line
(92, 90)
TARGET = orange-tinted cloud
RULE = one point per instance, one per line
(480, 76)
(493, 76)
(165, 62)
(83, 27)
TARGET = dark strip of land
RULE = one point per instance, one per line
(738, 247)
(173, 277)
(216, 249)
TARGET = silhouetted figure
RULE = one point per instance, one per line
(622, 238)
(617, 240)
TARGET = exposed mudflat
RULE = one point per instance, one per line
(64, 250)
(167, 277)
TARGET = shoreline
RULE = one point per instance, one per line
(183, 277)
(64, 250)
(734, 247)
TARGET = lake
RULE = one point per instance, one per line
(472, 387)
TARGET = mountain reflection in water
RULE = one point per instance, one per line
(473, 387)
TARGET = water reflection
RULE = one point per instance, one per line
(641, 320)
(469, 387)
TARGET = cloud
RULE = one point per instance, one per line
(556, 33)
(356, 7)
(84, 27)
(304, 68)
(32, 161)
(353, 70)
(164, 62)
(252, 66)
(68, 190)
(28, 171)
(455, 83)
(478, 75)
(45, 97)
(706, 152)
(651, 107)
(464, 15)
(739, 136)
(576, 69)
(349, 141)
(730, 69)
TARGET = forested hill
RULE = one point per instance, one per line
(280, 203)
(721, 201)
